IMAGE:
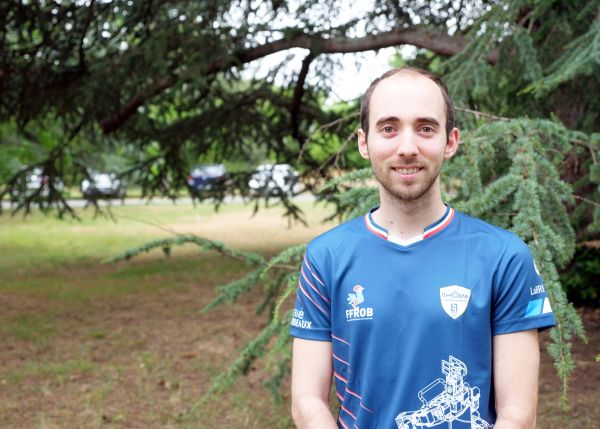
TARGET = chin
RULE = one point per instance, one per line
(408, 194)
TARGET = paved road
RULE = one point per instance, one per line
(76, 203)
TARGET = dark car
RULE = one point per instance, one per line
(103, 185)
(205, 177)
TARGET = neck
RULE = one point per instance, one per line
(407, 219)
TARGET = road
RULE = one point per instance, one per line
(78, 203)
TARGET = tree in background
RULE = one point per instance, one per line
(166, 84)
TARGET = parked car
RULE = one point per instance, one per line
(35, 181)
(273, 179)
(206, 176)
(103, 185)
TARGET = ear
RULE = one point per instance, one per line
(452, 144)
(362, 143)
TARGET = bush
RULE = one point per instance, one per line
(581, 278)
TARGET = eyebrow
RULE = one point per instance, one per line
(424, 120)
(387, 119)
(431, 121)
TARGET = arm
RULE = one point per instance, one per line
(311, 383)
(516, 366)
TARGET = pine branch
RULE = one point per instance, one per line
(231, 291)
(359, 175)
(479, 114)
(253, 350)
(291, 254)
(166, 244)
(580, 198)
(582, 58)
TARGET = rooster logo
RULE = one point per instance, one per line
(356, 298)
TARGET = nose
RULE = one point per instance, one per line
(406, 144)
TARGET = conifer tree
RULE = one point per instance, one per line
(166, 85)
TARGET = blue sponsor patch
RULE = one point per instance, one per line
(534, 307)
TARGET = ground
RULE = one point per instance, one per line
(91, 345)
(584, 395)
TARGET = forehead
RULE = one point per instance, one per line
(407, 96)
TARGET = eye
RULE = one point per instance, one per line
(388, 129)
(427, 129)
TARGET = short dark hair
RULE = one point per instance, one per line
(366, 99)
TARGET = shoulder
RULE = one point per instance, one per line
(336, 238)
(503, 249)
(493, 236)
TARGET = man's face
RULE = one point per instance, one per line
(407, 141)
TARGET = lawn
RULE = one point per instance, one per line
(87, 344)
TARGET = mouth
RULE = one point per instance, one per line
(407, 173)
(406, 170)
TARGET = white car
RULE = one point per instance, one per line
(103, 185)
(273, 179)
(36, 182)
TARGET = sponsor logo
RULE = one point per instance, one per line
(355, 299)
(455, 300)
(539, 306)
(536, 269)
(537, 289)
(298, 322)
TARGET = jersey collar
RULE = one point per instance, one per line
(431, 230)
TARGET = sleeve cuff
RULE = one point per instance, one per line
(318, 335)
(541, 322)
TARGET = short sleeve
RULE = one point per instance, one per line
(311, 319)
(520, 301)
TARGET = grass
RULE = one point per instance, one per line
(92, 345)
(39, 239)
(124, 345)
(28, 327)
(57, 370)
(36, 247)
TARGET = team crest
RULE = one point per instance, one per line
(455, 300)
(355, 299)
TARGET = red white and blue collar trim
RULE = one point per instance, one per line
(431, 230)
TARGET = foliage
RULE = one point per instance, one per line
(169, 84)
(166, 244)
(580, 278)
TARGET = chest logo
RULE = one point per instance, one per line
(455, 300)
(355, 299)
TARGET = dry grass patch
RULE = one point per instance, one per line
(87, 346)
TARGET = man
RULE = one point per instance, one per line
(423, 317)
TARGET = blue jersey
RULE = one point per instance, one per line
(411, 323)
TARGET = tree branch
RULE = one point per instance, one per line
(479, 114)
(421, 37)
(297, 98)
(115, 122)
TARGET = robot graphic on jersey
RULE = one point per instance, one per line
(446, 401)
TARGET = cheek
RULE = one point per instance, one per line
(434, 149)
(381, 148)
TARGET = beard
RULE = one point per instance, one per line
(408, 191)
